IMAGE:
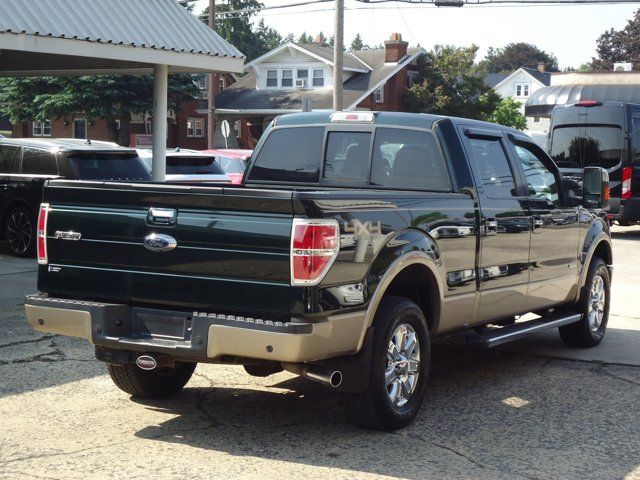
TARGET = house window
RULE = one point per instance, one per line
(195, 128)
(42, 129)
(378, 95)
(302, 79)
(287, 78)
(412, 78)
(223, 83)
(272, 78)
(536, 119)
(118, 124)
(522, 89)
(202, 82)
(318, 77)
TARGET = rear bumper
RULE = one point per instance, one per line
(197, 336)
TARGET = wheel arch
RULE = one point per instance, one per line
(597, 244)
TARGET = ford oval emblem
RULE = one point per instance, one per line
(157, 242)
(146, 362)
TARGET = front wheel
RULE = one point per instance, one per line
(594, 307)
(158, 383)
(20, 233)
(399, 368)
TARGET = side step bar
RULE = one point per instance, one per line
(498, 336)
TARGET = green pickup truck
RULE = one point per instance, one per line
(356, 239)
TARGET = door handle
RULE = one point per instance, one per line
(490, 226)
(536, 223)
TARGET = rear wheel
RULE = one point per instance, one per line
(19, 232)
(158, 383)
(594, 307)
(399, 368)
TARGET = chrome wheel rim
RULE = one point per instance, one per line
(19, 232)
(403, 365)
(597, 300)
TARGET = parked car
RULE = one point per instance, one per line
(188, 166)
(234, 162)
(602, 134)
(337, 260)
(26, 163)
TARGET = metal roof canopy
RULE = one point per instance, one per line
(85, 37)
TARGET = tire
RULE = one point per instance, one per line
(159, 383)
(590, 330)
(20, 232)
(377, 408)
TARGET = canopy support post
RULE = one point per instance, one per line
(160, 107)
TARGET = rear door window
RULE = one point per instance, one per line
(8, 156)
(408, 159)
(495, 172)
(347, 156)
(290, 155)
(39, 162)
(108, 166)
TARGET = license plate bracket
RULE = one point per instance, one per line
(168, 325)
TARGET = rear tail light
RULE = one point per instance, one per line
(43, 259)
(314, 247)
(627, 172)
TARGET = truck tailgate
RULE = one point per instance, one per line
(232, 252)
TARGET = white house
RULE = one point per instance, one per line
(520, 85)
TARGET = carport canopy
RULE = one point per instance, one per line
(98, 37)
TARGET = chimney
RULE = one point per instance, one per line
(542, 67)
(320, 40)
(395, 48)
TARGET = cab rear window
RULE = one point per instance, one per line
(197, 165)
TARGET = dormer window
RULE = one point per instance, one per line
(318, 77)
(287, 78)
(272, 78)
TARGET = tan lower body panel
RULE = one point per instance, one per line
(338, 335)
(72, 323)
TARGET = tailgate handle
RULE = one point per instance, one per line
(162, 216)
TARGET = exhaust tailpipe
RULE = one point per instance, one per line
(331, 379)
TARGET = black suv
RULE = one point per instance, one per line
(26, 163)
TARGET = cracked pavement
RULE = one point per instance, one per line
(531, 410)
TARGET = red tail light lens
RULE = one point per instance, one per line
(43, 259)
(314, 247)
(588, 103)
(627, 172)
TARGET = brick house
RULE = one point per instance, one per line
(294, 77)
(187, 129)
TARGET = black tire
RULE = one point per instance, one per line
(159, 383)
(374, 409)
(19, 231)
(585, 334)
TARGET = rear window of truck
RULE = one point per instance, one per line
(587, 146)
(108, 166)
(193, 165)
(398, 158)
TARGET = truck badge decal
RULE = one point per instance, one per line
(70, 235)
(146, 362)
(157, 242)
(366, 229)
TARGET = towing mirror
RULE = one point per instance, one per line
(595, 187)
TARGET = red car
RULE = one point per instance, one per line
(233, 161)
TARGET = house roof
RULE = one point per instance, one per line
(243, 95)
(138, 31)
(322, 53)
(493, 79)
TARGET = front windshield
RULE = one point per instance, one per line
(586, 146)
(108, 166)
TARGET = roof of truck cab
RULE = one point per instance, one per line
(395, 119)
(66, 144)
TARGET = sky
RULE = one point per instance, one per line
(567, 31)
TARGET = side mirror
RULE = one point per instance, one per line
(595, 187)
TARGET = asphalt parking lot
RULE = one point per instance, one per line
(533, 410)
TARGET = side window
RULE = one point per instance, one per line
(409, 159)
(8, 156)
(347, 156)
(39, 162)
(495, 172)
(290, 155)
(541, 182)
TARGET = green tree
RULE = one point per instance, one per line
(516, 55)
(304, 38)
(358, 44)
(447, 85)
(619, 46)
(108, 97)
(188, 4)
(268, 37)
(508, 113)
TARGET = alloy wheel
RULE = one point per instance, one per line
(403, 365)
(19, 232)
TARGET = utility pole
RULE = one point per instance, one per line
(338, 56)
(212, 85)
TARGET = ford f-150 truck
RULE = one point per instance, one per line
(356, 239)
